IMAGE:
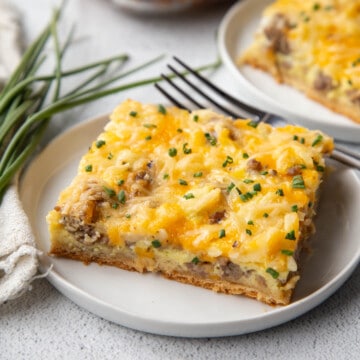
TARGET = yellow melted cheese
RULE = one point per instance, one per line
(324, 34)
(198, 165)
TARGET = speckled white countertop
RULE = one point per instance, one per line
(44, 324)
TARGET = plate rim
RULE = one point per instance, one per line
(345, 132)
(101, 308)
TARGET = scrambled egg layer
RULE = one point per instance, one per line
(205, 183)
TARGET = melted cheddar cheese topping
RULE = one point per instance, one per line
(204, 183)
(324, 35)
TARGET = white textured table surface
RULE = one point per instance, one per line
(44, 324)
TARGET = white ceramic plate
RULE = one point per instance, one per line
(236, 32)
(153, 304)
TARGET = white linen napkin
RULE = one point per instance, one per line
(18, 254)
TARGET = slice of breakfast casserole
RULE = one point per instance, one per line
(198, 197)
(312, 46)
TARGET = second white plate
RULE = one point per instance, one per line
(259, 89)
(151, 303)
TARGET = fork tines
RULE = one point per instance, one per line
(190, 86)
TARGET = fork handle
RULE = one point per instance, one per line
(347, 151)
(346, 159)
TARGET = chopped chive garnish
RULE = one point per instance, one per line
(166, 176)
(310, 204)
(298, 182)
(133, 113)
(161, 109)
(100, 143)
(243, 197)
(253, 124)
(179, 130)
(290, 235)
(302, 140)
(356, 62)
(295, 137)
(115, 205)
(248, 231)
(294, 208)
(211, 139)
(230, 187)
(156, 243)
(88, 168)
(196, 118)
(121, 196)
(257, 187)
(287, 252)
(247, 196)
(172, 152)
(182, 182)
(272, 272)
(120, 182)
(109, 191)
(198, 174)
(128, 216)
(264, 172)
(195, 260)
(150, 126)
(248, 181)
(265, 215)
(238, 190)
(229, 160)
(320, 168)
(147, 138)
(316, 6)
(250, 222)
(279, 192)
(189, 196)
(185, 149)
(222, 233)
(110, 156)
(317, 140)
(245, 155)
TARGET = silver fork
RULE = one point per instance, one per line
(340, 153)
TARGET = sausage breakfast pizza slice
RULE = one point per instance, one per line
(197, 197)
(312, 45)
